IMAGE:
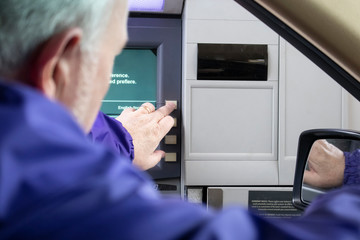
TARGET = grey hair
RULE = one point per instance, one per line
(26, 24)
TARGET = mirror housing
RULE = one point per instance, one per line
(306, 141)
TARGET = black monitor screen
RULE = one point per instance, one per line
(244, 62)
(133, 81)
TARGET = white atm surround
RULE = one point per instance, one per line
(230, 127)
(217, 148)
(308, 98)
(216, 106)
(218, 154)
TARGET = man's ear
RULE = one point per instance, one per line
(50, 71)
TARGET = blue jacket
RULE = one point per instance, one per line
(352, 168)
(56, 184)
(110, 132)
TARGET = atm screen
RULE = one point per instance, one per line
(133, 81)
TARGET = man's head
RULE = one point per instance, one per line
(64, 48)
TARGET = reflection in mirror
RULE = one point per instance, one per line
(331, 164)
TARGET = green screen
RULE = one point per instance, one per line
(133, 81)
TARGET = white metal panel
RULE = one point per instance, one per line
(231, 120)
(287, 170)
(191, 61)
(222, 173)
(207, 21)
(312, 98)
(226, 31)
(308, 98)
(219, 9)
(273, 62)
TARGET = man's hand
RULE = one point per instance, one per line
(326, 165)
(147, 127)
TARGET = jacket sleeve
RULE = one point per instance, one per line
(118, 202)
(110, 132)
(141, 216)
(352, 168)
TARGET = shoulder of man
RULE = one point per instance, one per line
(47, 162)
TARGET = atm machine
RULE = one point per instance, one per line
(149, 70)
(220, 65)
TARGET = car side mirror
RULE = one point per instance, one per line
(320, 163)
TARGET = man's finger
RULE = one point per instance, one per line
(166, 124)
(155, 158)
(164, 111)
(146, 108)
